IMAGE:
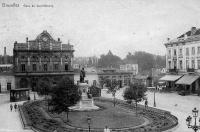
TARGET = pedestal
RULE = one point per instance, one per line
(85, 103)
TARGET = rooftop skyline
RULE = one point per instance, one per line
(96, 26)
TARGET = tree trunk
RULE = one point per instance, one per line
(136, 107)
(114, 100)
(67, 114)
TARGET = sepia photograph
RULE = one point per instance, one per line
(99, 65)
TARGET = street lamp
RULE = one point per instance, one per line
(154, 103)
(89, 122)
(195, 127)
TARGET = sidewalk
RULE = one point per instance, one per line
(9, 121)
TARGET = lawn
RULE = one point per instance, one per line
(113, 117)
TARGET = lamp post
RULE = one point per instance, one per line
(89, 122)
(154, 97)
(195, 127)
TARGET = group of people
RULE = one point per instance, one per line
(12, 107)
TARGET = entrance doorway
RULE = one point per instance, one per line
(8, 86)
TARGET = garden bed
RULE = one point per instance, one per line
(35, 115)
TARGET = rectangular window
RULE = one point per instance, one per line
(180, 52)
(66, 67)
(169, 64)
(187, 64)
(55, 67)
(187, 52)
(175, 65)
(174, 52)
(193, 64)
(169, 53)
(34, 67)
(198, 50)
(45, 67)
(23, 68)
(193, 50)
(198, 64)
(181, 64)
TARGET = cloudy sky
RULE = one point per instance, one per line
(96, 26)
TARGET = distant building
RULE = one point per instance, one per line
(130, 68)
(79, 62)
(7, 79)
(124, 78)
(183, 61)
(42, 59)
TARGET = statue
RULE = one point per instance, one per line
(82, 75)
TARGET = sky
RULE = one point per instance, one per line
(96, 26)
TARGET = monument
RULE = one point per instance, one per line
(86, 103)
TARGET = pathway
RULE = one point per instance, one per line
(10, 121)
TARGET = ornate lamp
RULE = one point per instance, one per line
(89, 122)
(195, 112)
(195, 127)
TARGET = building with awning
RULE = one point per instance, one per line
(189, 81)
(170, 80)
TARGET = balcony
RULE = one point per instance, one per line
(180, 55)
(174, 57)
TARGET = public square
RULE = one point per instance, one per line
(180, 106)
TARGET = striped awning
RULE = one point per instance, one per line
(170, 77)
(187, 79)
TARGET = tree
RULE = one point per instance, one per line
(109, 60)
(135, 92)
(64, 95)
(145, 61)
(113, 86)
(44, 87)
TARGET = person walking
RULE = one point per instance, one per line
(146, 104)
(15, 106)
(11, 107)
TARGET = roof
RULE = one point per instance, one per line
(170, 77)
(187, 79)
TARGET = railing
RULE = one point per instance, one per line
(190, 70)
(173, 70)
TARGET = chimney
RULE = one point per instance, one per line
(5, 56)
(27, 39)
(4, 51)
(58, 39)
(193, 30)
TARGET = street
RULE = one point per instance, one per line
(180, 106)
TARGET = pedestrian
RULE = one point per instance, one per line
(106, 129)
(11, 107)
(15, 106)
(146, 104)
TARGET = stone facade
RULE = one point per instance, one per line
(7, 79)
(183, 57)
(42, 59)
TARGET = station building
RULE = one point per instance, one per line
(41, 59)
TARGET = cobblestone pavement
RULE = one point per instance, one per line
(180, 106)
